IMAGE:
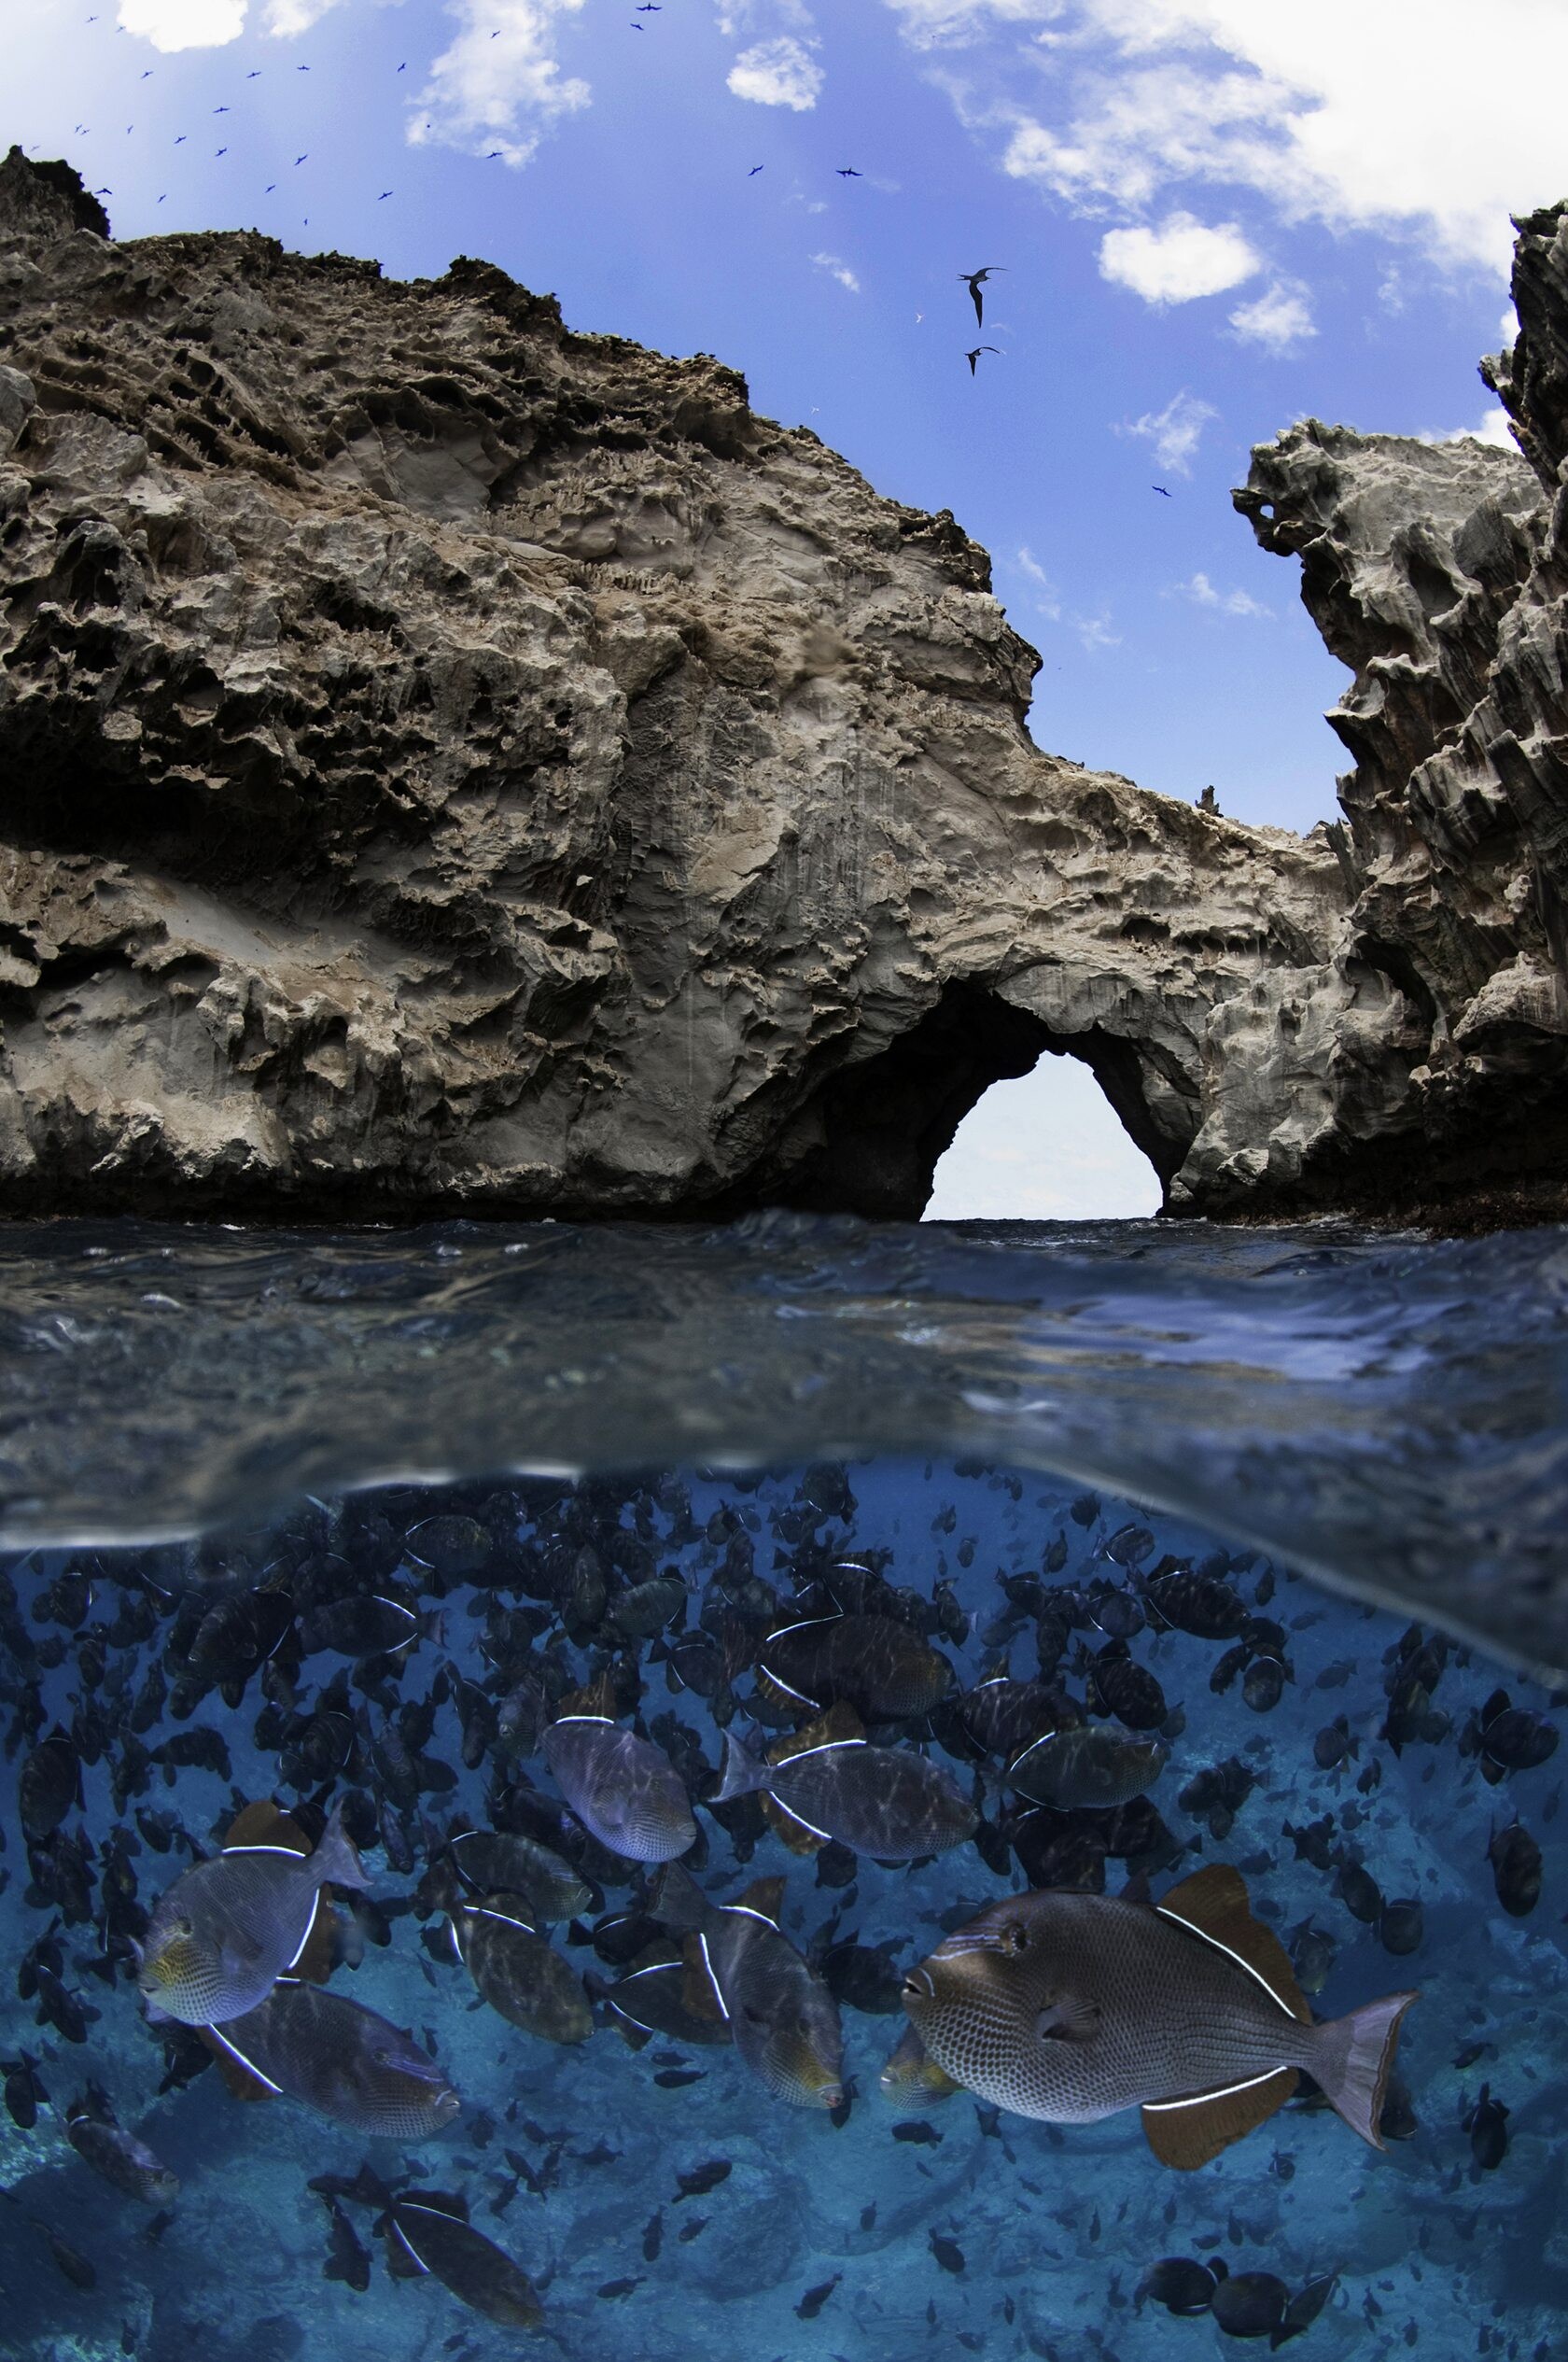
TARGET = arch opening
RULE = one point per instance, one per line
(1048, 1146)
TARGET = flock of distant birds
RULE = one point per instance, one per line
(974, 280)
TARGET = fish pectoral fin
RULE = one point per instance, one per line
(237, 1952)
(1186, 2133)
(1071, 2017)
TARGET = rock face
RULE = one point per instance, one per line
(451, 761)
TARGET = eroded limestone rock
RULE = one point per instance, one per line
(450, 761)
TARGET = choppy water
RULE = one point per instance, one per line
(1016, 1430)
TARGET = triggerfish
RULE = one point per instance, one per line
(782, 2017)
(1067, 2007)
(228, 1929)
(829, 1783)
(624, 1788)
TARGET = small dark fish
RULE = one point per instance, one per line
(1360, 1893)
(1313, 1954)
(815, 2298)
(348, 2259)
(366, 1624)
(919, 2135)
(453, 1547)
(1487, 2123)
(679, 2078)
(478, 2273)
(1305, 2307)
(1511, 1739)
(872, 1663)
(71, 2265)
(948, 2254)
(654, 2235)
(1250, 2304)
(868, 2216)
(48, 1785)
(1094, 1766)
(116, 2155)
(495, 1862)
(1333, 1744)
(1129, 1690)
(614, 2289)
(25, 2092)
(1181, 2285)
(1203, 1605)
(703, 2178)
(1400, 1927)
(1264, 1685)
(1516, 1869)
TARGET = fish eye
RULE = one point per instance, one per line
(1014, 1936)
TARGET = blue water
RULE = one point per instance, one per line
(1370, 1431)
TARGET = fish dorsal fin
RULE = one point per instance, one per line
(596, 1697)
(840, 1726)
(765, 1897)
(1212, 1903)
(778, 1691)
(788, 1826)
(264, 1824)
(240, 2080)
(700, 1996)
(1187, 2132)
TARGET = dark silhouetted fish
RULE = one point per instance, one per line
(782, 2019)
(1004, 1716)
(517, 1972)
(872, 1663)
(1509, 1737)
(815, 2298)
(1516, 1869)
(652, 1998)
(116, 2155)
(436, 2238)
(1181, 2284)
(1093, 1766)
(830, 1782)
(1250, 2304)
(49, 1785)
(226, 1930)
(1069, 2007)
(1305, 2307)
(1204, 1605)
(25, 2092)
(1487, 2123)
(339, 2057)
(348, 2259)
(495, 1862)
(622, 1788)
(1400, 1927)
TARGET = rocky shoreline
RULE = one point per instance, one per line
(457, 766)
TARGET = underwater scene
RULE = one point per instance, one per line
(796, 1790)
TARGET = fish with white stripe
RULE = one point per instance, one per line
(1069, 2007)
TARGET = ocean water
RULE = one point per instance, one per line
(1010, 1440)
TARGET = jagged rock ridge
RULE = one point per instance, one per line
(452, 762)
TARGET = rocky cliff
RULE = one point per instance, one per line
(452, 762)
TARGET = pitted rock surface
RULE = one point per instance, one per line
(455, 762)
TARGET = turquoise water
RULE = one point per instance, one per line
(1376, 1403)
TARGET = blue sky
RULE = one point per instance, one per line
(1213, 217)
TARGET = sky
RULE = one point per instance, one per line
(1205, 218)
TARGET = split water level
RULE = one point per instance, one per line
(642, 1675)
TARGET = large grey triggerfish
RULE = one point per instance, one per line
(1069, 2007)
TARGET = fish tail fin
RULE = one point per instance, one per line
(744, 1773)
(336, 1860)
(677, 1902)
(1353, 2058)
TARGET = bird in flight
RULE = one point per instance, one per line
(299, 160)
(385, 194)
(972, 358)
(1160, 487)
(847, 172)
(754, 171)
(974, 280)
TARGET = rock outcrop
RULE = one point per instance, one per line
(454, 761)
(1439, 575)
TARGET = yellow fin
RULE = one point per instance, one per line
(597, 1698)
(1187, 2132)
(838, 1723)
(765, 1896)
(238, 2078)
(699, 1994)
(911, 2074)
(265, 1824)
(1212, 1903)
(777, 1695)
(795, 1835)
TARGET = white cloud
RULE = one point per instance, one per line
(1174, 432)
(1492, 426)
(1384, 116)
(286, 18)
(1280, 319)
(1178, 262)
(497, 85)
(837, 270)
(1047, 599)
(781, 73)
(1095, 630)
(1201, 591)
(183, 24)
